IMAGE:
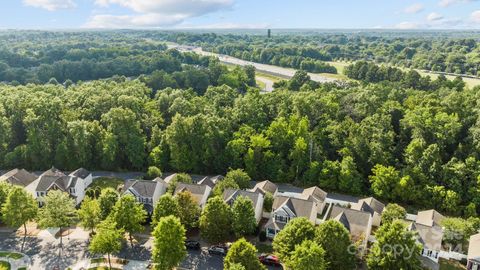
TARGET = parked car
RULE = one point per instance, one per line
(271, 260)
(218, 250)
(190, 244)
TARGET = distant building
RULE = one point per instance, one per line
(199, 192)
(146, 192)
(430, 233)
(269, 33)
(257, 198)
(18, 177)
(265, 187)
(372, 206)
(287, 208)
(74, 184)
(357, 222)
(474, 253)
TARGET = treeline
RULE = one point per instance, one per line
(399, 144)
(441, 52)
(371, 73)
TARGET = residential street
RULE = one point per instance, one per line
(44, 252)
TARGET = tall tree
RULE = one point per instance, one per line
(243, 253)
(243, 212)
(166, 206)
(216, 220)
(107, 240)
(294, 233)
(308, 256)
(57, 212)
(240, 177)
(402, 244)
(19, 208)
(129, 215)
(168, 243)
(393, 212)
(189, 210)
(89, 213)
(107, 199)
(339, 251)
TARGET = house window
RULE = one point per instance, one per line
(282, 219)
(270, 231)
(72, 190)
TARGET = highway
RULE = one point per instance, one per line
(286, 73)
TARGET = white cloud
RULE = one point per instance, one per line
(475, 16)
(415, 8)
(50, 5)
(447, 3)
(406, 25)
(155, 13)
(432, 17)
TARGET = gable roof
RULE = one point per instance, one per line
(81, 172)
(53, 172)
(19, 177)
(429, 236)
(169, 178)
(48, 181)
(314, 193)
(357, 222)
(230, 195)
(474, 248)
(207, 181)
(429, 218)
(159, 180)
(264, 187)
(197, 191)
(143, 188)
(295, 207)
(370, 205)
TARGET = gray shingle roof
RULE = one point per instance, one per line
(19, 177)
(265, 186)
(230, 195)
(429, 218)
(82, 173)
(299, 207)
(369, 205)
(358, 221)
(143, 188)
(429, 236)
(63, 182)
(474, 248)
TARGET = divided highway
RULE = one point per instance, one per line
(286, 73)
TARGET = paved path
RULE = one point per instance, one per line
(268, 83)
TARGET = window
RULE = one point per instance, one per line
(270, 231)
(282, 219)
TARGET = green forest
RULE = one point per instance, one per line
(457, 52)
(113, 104)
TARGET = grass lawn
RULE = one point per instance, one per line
(105, 182)
(12, 255)
(4, 265)
(269, 76)
(260, 84)
(340, 66)
(450, 265)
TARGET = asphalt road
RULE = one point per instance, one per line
(274, 70)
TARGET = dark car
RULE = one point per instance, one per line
(218, 250)
(192, 244)
(269, 260)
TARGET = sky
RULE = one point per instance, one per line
(242, 14)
